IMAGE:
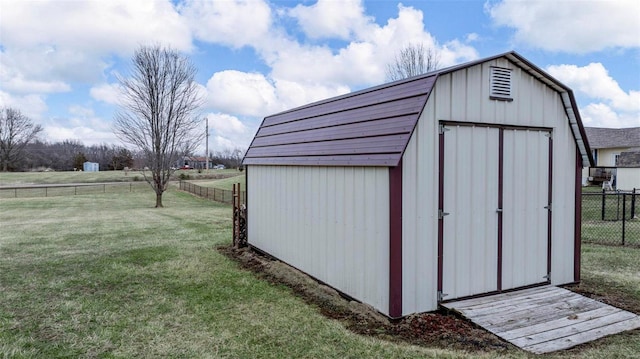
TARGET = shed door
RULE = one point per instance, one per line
(525, 213)
(494, 228)
(470, 231)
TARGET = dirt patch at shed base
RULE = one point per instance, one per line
(439, 329)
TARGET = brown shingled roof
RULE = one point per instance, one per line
(613, 137)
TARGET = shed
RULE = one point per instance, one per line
(90, 167)
(457, 183)
(628, 171)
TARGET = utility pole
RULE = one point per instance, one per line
(206, 154)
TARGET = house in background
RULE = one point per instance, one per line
(196, 162)
(607, 146)
(460, 182)
(90, 167)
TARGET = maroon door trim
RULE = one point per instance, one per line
(395, 241)
(577, 246)
(440, 209)
(500, 199)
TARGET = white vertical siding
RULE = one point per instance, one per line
(534, 104)
(420, 217)
(464, 96)
(525, 218)
(628, 179)
(563, 204)
(330, 222)
(470, 245)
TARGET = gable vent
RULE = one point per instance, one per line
(500, 84)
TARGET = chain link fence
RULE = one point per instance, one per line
(611, 217)
(214, 194)
(57, 190)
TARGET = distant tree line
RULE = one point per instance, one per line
(70, 155)
(230, 158)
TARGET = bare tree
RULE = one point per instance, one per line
(413, 60)
(157, 113)
(16, 131)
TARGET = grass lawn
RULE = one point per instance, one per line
(225, 183)
(24, 178)
(107, 275)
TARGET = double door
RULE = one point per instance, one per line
(495, 202)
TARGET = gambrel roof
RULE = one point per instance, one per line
(372, 127)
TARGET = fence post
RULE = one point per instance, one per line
(603, 202)
(624, 210)
(633, 204)
(618, 206)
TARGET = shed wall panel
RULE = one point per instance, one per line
(330, 222)
(628, 179)
(563, 203)
(534, 105)
(420, 217)
(463, 95)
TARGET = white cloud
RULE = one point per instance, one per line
(53, 43)
(92, 26)
(225, 124)
(253, 94)
(108, 93)
(229, 132)
(241, 93)
(233, 22)
(609, 106)
(331, 19)
(363, 60)
(570, 26)
(87, 135)
(82, 111)
(32, 105)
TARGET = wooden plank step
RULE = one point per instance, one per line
(494, 298)
(554, 334)
(556, 323)
(545, 319)
(584, 337)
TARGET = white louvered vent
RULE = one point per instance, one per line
(500, 84)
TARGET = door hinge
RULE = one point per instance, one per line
(441, 296)
(441, 214)
(499, 210)
(548, 134)
(547, 277)
(548, 207)
(443, 129)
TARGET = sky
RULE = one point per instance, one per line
(60, 59)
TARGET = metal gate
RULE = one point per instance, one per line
(494, 215)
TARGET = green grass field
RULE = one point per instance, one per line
(225, 183)
(25, 178)
(109, 276)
